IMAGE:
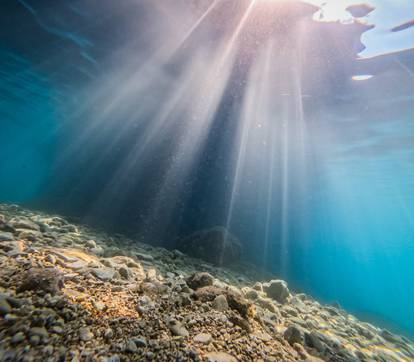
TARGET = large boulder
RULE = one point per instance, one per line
(200, 280)
(216, 245)
(277, 290)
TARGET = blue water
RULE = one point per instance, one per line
(104, 119)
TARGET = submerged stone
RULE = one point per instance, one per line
(277, 290)
(200, 280)
(48, 280)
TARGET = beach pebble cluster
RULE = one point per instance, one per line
(71, 293)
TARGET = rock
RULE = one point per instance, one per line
(204, 338)
(105, 274)
(267, 304)
(176, 328)
(240, 304)
(77, 265)
(85, 334)
(258, 287)
(99, 306)
(48, 280)
(14, 247)
(51, 259)
(40, 332)
(250, 293)
(200, 280)
(293, 334)
(263, 336)
(20, 223)
(131, 347)
(140, 342)
(151, 274)
(144, 257)
(220, 303)
(5, 307)
(145, 304)
(98, 250)
(108, 334)
(6, 236)
(241, 322)
(126, 273)
(277, 290)
(18, 337)
(91, 244)
(216, 245)
(57, 329)
(314, 340)
(31, 235)
(220, 357)
(208, 294)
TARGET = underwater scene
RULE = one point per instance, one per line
(207, 180)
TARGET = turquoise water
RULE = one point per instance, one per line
(157, 119)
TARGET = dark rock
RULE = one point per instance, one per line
(140, 342)
(293, 334)
(125, 273)
(5, 307)
(131, 347)
(200, 280)
(241, 322)
(6, 236)
(277, 290)
(48, 280)
(314, 340)
(208, 294)
(40, 332)
(216, 245)
(17, 338)
(240, 304)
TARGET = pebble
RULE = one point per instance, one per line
(204, 338)
(85, 334)
(104, 274)
(131, 347)
(108, 334)
(39, 331)
(18, 337)
(176, 328)
(220, 357)
(140, 342)
(5, 307)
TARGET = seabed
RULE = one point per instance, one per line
(72, 293)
